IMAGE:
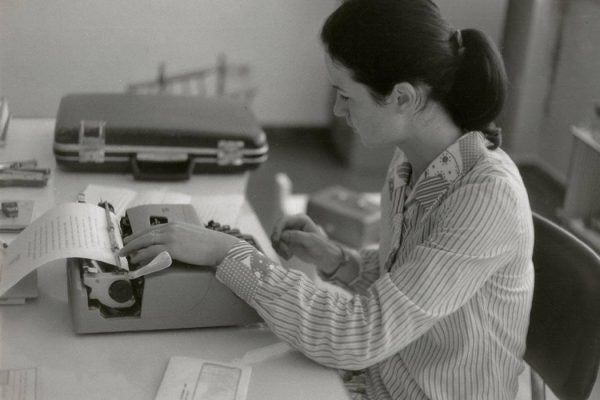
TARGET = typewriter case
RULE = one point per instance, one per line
(156, 137)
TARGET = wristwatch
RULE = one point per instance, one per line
(345, 260)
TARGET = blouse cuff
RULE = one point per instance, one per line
(243, 270)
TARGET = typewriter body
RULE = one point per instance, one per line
(104, 298)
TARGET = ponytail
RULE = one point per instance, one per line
(480, 85)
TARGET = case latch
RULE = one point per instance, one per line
(230, 152)
(92, 139)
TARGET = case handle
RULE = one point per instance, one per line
(161, 167)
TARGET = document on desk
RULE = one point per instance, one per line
(196, 379)
(17, 384)
(69, 230)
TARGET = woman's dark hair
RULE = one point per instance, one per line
(384, 42)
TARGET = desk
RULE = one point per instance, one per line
(130, 365)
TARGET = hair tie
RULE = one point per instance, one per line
(457, 36)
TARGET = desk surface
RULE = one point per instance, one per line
(128, 366)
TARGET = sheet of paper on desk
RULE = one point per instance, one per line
(69, 230)
(197, 379)
(17, 384)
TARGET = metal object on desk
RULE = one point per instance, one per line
(23, 173)
(10, 209)
(25, 164)
(16, 215)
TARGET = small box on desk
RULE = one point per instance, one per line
(349, 217)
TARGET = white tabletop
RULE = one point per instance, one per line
(130, 366)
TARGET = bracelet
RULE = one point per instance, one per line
(345, 261)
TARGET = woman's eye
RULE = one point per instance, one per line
(345, 98)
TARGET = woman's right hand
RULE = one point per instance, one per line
(298, 235)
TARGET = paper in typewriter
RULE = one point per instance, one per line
(69, 230)
(123, 198)
(197, 379)
(224, 209)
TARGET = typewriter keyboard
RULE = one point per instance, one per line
(234, 232)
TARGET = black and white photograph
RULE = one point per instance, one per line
(300, 199)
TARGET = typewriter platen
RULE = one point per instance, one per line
(104, 298)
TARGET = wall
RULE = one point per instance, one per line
(530, 42)
(575, 86)
(486, 15)
(48, 48)
(53, 47)
(553, 61)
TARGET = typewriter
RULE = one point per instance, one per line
(105, 298)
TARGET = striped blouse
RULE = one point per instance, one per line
(440, 310)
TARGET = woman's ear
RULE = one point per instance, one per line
(404, 96)
(409, 97)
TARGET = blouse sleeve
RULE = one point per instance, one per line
(368, 272)
(359, 330)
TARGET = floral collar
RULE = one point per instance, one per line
(441, 172)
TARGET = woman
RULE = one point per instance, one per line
(441, 309)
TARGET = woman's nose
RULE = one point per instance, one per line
(339, 108)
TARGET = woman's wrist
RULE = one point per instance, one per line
(343, 260)
(227, 242)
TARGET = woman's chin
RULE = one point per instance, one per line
(370, 144)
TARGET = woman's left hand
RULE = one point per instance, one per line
(191, 244)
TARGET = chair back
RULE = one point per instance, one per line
(563, 341)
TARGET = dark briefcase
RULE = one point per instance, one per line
(157, 137)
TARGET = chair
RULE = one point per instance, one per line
(563, 341)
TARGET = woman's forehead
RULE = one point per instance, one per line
(340, 76)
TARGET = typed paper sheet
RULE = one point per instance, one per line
(69, 230)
